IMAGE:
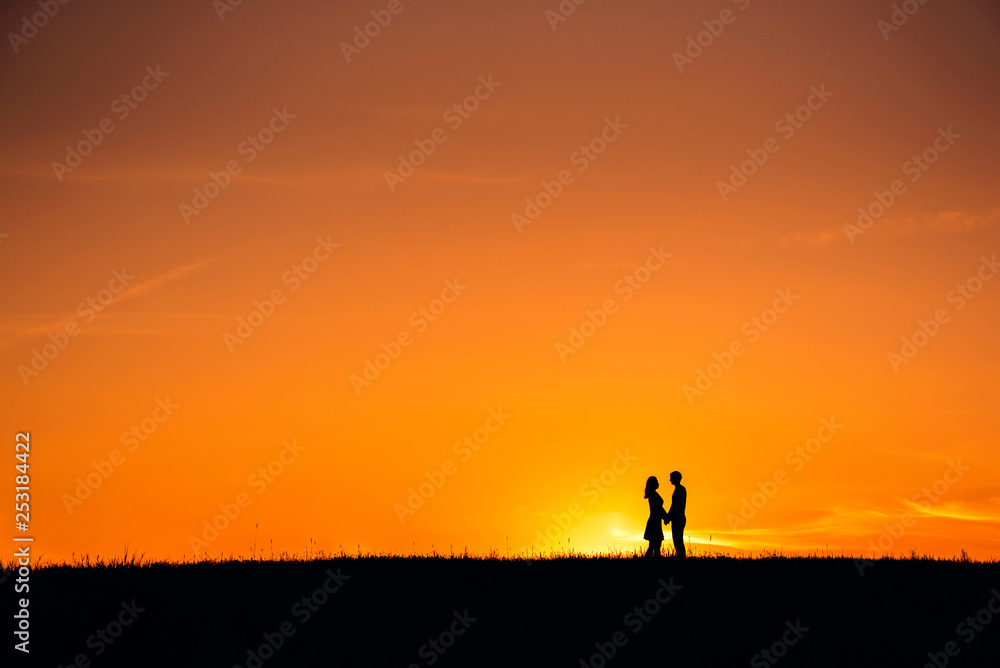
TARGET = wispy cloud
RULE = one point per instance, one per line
(153, 283)
(18, 333)
(610, 265)
(813, 238)
(468, 178)
(941, 222)
(954, 511)
(192, 176)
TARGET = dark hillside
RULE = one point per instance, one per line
(559, 612)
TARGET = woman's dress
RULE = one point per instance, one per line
(654, 526)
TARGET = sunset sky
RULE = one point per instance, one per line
(128, 270)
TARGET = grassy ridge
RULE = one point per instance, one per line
(568, 610)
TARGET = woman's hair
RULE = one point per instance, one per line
(651, 484)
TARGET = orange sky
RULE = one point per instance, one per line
(639, 226)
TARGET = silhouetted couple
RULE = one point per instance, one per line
(675, 516)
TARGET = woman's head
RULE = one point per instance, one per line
(651, 485)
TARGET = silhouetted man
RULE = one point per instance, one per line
(675, 516)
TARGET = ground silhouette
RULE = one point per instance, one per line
(475, 612)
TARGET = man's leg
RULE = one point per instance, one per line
(677, 528)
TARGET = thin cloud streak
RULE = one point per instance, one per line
(21, 334)
(941, 222)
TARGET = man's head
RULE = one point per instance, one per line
(675, 477)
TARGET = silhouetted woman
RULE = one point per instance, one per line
(654, 528)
